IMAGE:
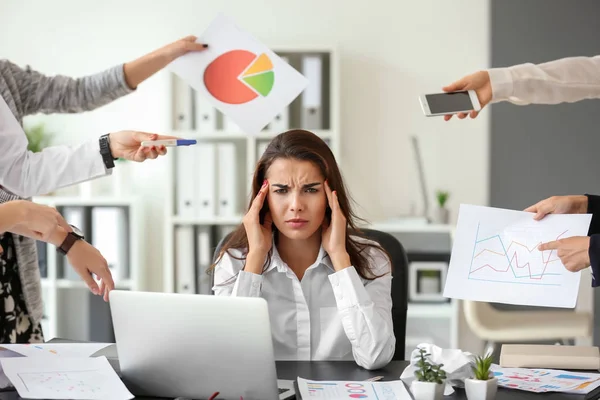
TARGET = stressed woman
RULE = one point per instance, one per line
(328, 291)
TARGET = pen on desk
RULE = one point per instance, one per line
(375, 378)
(169, 142)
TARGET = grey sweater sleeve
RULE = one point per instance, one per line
(61, 94)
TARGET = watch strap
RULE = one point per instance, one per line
(66, 245)
(105, 152)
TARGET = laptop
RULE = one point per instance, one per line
(191, 346)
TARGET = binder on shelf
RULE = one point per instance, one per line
(110, 235)
(261, 146)
(42, 251)
(182, 104)
(185, 160)
(312, 98)
(281, 122)
(205, 186)
(222, 231)
(185, 281)
(205, 114)
(203, 259)
(227, 182)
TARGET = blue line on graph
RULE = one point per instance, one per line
(474, 248)
(477, 241)
(374, 391)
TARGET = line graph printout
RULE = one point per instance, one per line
(65, 378)
(495, 258)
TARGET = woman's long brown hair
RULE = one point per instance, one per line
(303, 145)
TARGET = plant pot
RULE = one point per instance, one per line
(427, 390)
(441, 215)
(481, 390)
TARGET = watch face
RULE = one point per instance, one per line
(77, 232)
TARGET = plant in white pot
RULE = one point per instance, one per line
(442, 215)
(431, 379)
(484, 385)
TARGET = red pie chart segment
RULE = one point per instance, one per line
(221, 77)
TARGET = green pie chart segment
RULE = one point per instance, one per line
(262, 83)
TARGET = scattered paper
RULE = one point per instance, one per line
(495, 258)
(65, 378)
(56, 349)
(546, 380)
(5, 353)
(240, 76)
(344, 390)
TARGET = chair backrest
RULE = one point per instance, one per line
(399, 293)
(399, 261)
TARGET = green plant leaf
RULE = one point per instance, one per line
(481, 367)
(442, 197)
(427, 371)
(38, 137)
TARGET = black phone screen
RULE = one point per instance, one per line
(449, 102)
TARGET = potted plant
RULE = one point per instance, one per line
(442, 213)
(484, 385)
(37, 137)
(431, 379)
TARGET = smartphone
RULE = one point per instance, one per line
(435, 104)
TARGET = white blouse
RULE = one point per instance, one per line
(564, 80)
(327, 315)
(28, 174)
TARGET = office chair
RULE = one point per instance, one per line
(399, 261)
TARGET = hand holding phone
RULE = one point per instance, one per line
(480, 82)
(435, 104)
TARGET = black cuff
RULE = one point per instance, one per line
(594, 209)
(594, 252)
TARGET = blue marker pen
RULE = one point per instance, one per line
(169, 142)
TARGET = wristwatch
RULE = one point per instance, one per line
(105, 152)
(70, 240)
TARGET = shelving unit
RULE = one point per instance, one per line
(191, 236)
(70, 309)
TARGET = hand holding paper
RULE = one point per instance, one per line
(240, 76)
(496, 257)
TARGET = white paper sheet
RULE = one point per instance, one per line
(56, 349)
(5, 353)
(495, 258)
(65, 378)
(250, 86)
(546, 380)
(344, 390)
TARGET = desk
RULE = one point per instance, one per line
(346, 370)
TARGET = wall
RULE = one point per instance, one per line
(391, 52)
(539, 151)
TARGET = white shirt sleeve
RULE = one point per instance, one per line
(230, 280)
(564, 80)
(366, 314)
(29, 174)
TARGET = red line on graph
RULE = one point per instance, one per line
(515, 258)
